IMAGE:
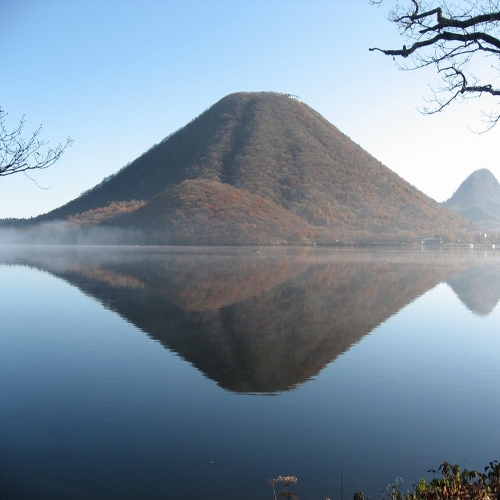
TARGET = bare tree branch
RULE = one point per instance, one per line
(452, 37)
(493, 43)
(20, 155)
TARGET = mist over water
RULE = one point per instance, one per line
(67, 233)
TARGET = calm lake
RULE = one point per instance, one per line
(186, 373)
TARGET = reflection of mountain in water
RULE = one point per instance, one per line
(252, 322)
(479, 287)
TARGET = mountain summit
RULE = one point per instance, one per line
(260, 168)
(478, 199)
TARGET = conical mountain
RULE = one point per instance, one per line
(279, 160)
(478, 199)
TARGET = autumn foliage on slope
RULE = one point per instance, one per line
(278, 149)
(99, 215)
(201, 212)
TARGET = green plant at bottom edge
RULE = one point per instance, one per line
(453, 484)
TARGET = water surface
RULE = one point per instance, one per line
(203, 372)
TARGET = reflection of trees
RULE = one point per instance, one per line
(287, 335)
(479, 287)
(254, 322)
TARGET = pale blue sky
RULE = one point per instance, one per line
(120, 75)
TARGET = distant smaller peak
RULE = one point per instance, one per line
(483, 173)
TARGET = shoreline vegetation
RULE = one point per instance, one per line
(450, 482)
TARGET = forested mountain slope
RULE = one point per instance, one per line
(478, 199)
(281, 152)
